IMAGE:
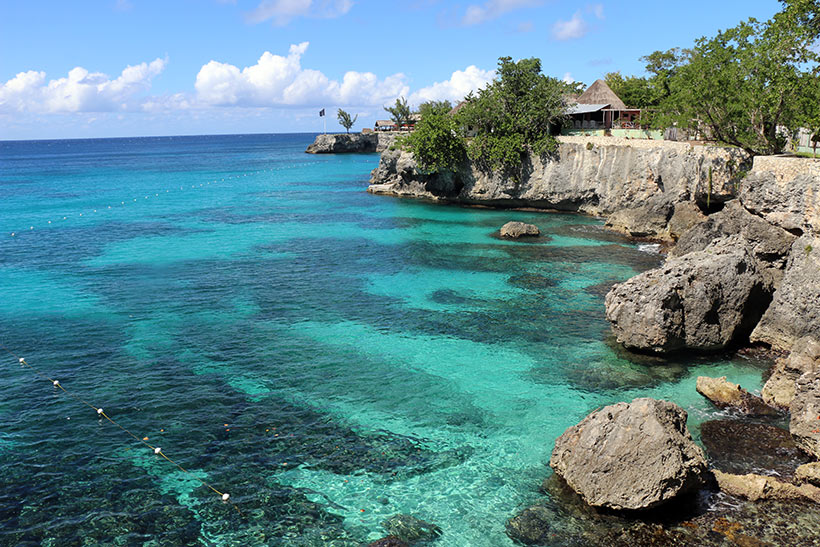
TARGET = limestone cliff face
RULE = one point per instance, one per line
(352, 143)
(640, 181)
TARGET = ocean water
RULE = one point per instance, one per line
(328, 357)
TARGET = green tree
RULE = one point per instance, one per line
(399, 112)
(345, 120)
(437, 142)
(751, 85)
(514, 116)
(635, 92)
(435, 107)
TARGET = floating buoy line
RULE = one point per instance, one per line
(155, 194)
(156, 450)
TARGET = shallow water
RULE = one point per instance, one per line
(329, 357)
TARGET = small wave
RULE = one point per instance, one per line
(651, 248)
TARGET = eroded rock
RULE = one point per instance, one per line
(631, 456)
(515, 230)
(795, 308)
(779, 388)
(808, 472)
(725, 394)
(685, 216)
(758, 487)
(705, 300)
(805, 413)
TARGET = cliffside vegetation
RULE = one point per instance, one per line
(750, 86)
(513, 116)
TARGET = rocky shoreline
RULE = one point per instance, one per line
(743, 268)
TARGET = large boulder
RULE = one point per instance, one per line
(725, 394)
(805, 413)
(705, 300)
(645, 220)
(630, 456)
(769, 244)
(795, 309)
(685, 216)
(779, 388)
(515, 230)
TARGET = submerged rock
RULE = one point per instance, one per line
(795, 308)
(779, 388)
(725, 394)
(758, 487)
(630, 456)
(531, 526)
(389, 541)
(704, 300)
(805, 413)
(409, 528)
(740, 447)
(515, 230)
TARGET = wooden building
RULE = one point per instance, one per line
(600, 108)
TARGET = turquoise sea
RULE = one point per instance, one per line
(329, 357)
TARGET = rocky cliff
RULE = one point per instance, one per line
(747, 263)
(352, 143)
(635, 183)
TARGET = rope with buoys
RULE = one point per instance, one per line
(224, 496)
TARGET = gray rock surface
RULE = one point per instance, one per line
(685, 216)
(630, 456)
(515, 230)
(769, 244)
(725, 394)
(795, 309)
(805, 413)
(704, 300)
(790, 202)
(649, 177)
(779, 388)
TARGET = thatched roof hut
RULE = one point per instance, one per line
(600, 93)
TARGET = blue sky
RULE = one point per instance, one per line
(100, 68)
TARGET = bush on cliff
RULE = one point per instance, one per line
(514, 116)
(437, 143)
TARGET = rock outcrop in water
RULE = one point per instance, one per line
(725, 394)
(704, 300)
(630, 456)
(516, 230)
(779, 388)
(352, 143)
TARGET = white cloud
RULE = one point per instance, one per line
(456, 88)
(492, 9)
(597, 10)
(281, 81)
(80, 90)
(568, 30)
(282, 12)
(568, 79)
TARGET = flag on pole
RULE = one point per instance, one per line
(321, 112)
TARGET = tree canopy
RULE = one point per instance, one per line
(399, 112)
(345, 120)
(749, 86)
(514, 115)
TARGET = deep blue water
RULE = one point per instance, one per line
(328, 357)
